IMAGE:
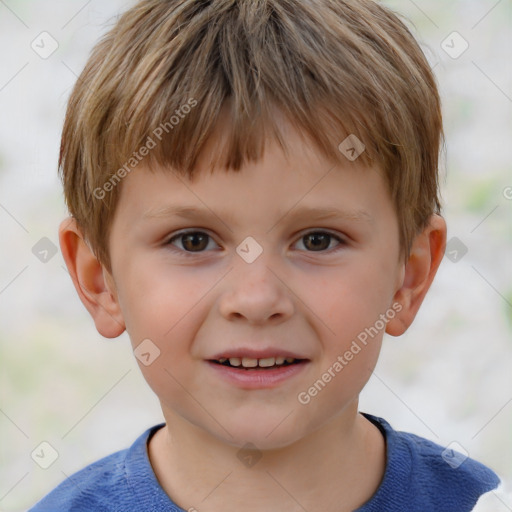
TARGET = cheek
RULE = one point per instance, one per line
(157, 297)
(162, 308)
(351, 303)
(352, 300)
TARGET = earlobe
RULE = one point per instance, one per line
(95, 289)
(426, 254)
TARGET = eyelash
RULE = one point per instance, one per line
(187, 254)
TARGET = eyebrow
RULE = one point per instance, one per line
(307, 213)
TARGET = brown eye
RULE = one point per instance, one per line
(319, 241)
(195, 241)
(192, 241)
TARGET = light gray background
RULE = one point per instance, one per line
(448, 378)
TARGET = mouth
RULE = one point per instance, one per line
(264, 369)
(249, 363)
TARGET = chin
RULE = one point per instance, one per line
(266, 433)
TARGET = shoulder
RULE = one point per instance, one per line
(106, 485)
(91, 488)
(424, 475)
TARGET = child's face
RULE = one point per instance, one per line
(196, 306)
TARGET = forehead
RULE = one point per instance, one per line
(292, 171)
(301, 182)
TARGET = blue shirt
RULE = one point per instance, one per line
(420, 476)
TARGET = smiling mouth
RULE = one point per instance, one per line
(248, 363)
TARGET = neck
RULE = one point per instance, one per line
(336, 468)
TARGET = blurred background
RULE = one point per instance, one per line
(69, 396)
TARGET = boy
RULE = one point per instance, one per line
(206, 144)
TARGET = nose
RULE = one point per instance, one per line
(256, 294)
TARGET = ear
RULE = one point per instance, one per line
(427, 252)
(95, 286)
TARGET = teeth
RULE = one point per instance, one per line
(249, 362)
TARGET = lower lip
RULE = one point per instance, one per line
(258, 379)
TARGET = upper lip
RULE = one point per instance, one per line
(255, 354)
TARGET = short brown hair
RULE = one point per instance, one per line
(333, 67)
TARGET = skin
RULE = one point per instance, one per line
(322, 456)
